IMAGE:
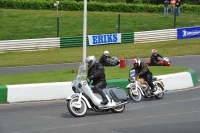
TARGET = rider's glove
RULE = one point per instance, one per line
(88, 80)
(136, 75)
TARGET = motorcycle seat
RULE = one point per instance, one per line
(154, 78)
(142, 81)
(110, 86)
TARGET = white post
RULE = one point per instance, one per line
(84, 32)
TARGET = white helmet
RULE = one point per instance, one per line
(106, 53)
(90, 60)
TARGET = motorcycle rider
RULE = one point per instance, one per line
(154, 58)
(96, 73)
(142, 70)
(104, 59)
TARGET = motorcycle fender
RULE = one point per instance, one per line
(130, 85)
(134, 85)
(140, 90)
(77, 95)
(160, 82)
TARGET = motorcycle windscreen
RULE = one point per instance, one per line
(166, 59)
(132, 73)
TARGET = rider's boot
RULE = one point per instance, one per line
(105, 100)
(153, 90)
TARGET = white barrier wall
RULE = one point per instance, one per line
(61, 90)
(177, 81)
(37, 92)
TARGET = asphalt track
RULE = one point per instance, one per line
(189, 61)
(177, 112)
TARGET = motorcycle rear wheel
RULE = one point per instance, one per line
(133, 97)
(118, 109)
(77, 112)
(160, 88)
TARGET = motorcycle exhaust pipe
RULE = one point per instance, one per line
(120, 104)
(161, 92)
(113, 106)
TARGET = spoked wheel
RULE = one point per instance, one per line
(134, 94)
(77, 111)
(159, 89)
(118, 109)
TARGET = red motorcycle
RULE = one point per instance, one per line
(163, 62)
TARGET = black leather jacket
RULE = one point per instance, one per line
(103, 60)
(142, 71)
(154, 59)
(97, 73)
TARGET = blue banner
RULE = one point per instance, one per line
(190, 32)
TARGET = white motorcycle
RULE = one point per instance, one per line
(138, 88)
(85, 98)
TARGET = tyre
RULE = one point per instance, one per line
(134, 97)
(118, 109)
(77, 112)
(159, 89)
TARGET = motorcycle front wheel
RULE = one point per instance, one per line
(118, 109)
(159, 89)
(77, 112)
(132, 94)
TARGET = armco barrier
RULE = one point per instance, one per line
(51, 43)
(29, 44)
(61, 90)
(155, 36)
(77, 41)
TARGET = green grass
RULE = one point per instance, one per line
(26, 24)
(68, 75)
